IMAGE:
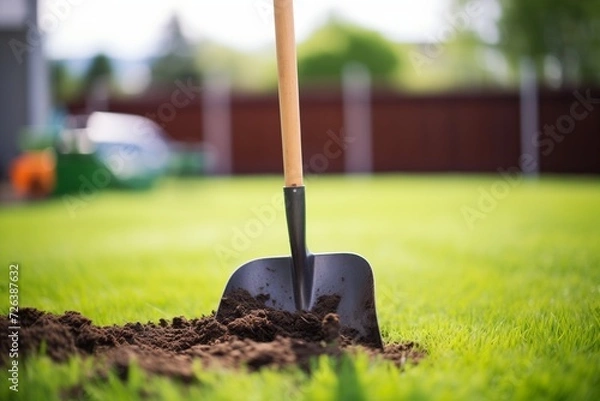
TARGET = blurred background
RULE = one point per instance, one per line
(139, 89)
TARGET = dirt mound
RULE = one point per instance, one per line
(247, 334)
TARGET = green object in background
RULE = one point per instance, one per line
(80, 173)
(85, 173)
(110, 150)
(106, 150)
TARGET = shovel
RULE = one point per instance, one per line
(304, 280)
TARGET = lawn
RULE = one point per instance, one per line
(499, 282)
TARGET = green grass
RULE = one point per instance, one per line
(508, 307)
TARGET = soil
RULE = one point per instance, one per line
(246, 334)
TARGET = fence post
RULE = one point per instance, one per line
(356, 89)
(529, 109)
(216, 122)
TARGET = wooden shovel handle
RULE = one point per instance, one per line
(289, 105)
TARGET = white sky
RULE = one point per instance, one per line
(132, 28)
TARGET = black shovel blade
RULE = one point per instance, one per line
(346, 276)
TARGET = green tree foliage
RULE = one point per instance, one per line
(177, 61)
(568, 31)
(323, 56)
(100, 68)
(252, 71)
(565, 33)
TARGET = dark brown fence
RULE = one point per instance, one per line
(464, 132)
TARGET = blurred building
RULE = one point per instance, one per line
(24, 93)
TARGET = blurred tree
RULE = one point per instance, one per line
(98, 83)
(253, 71)
(322, 57)
(64, 86)
(177, 61)
(99, 69)
(562, 38)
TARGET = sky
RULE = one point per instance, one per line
(132, 28)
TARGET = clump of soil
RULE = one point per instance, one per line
(246, 333)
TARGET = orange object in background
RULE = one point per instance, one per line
(33, 174)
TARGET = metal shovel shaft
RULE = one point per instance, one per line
(302, 259)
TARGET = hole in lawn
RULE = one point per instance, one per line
(249, 334)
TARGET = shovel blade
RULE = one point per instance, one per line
(346, 276)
